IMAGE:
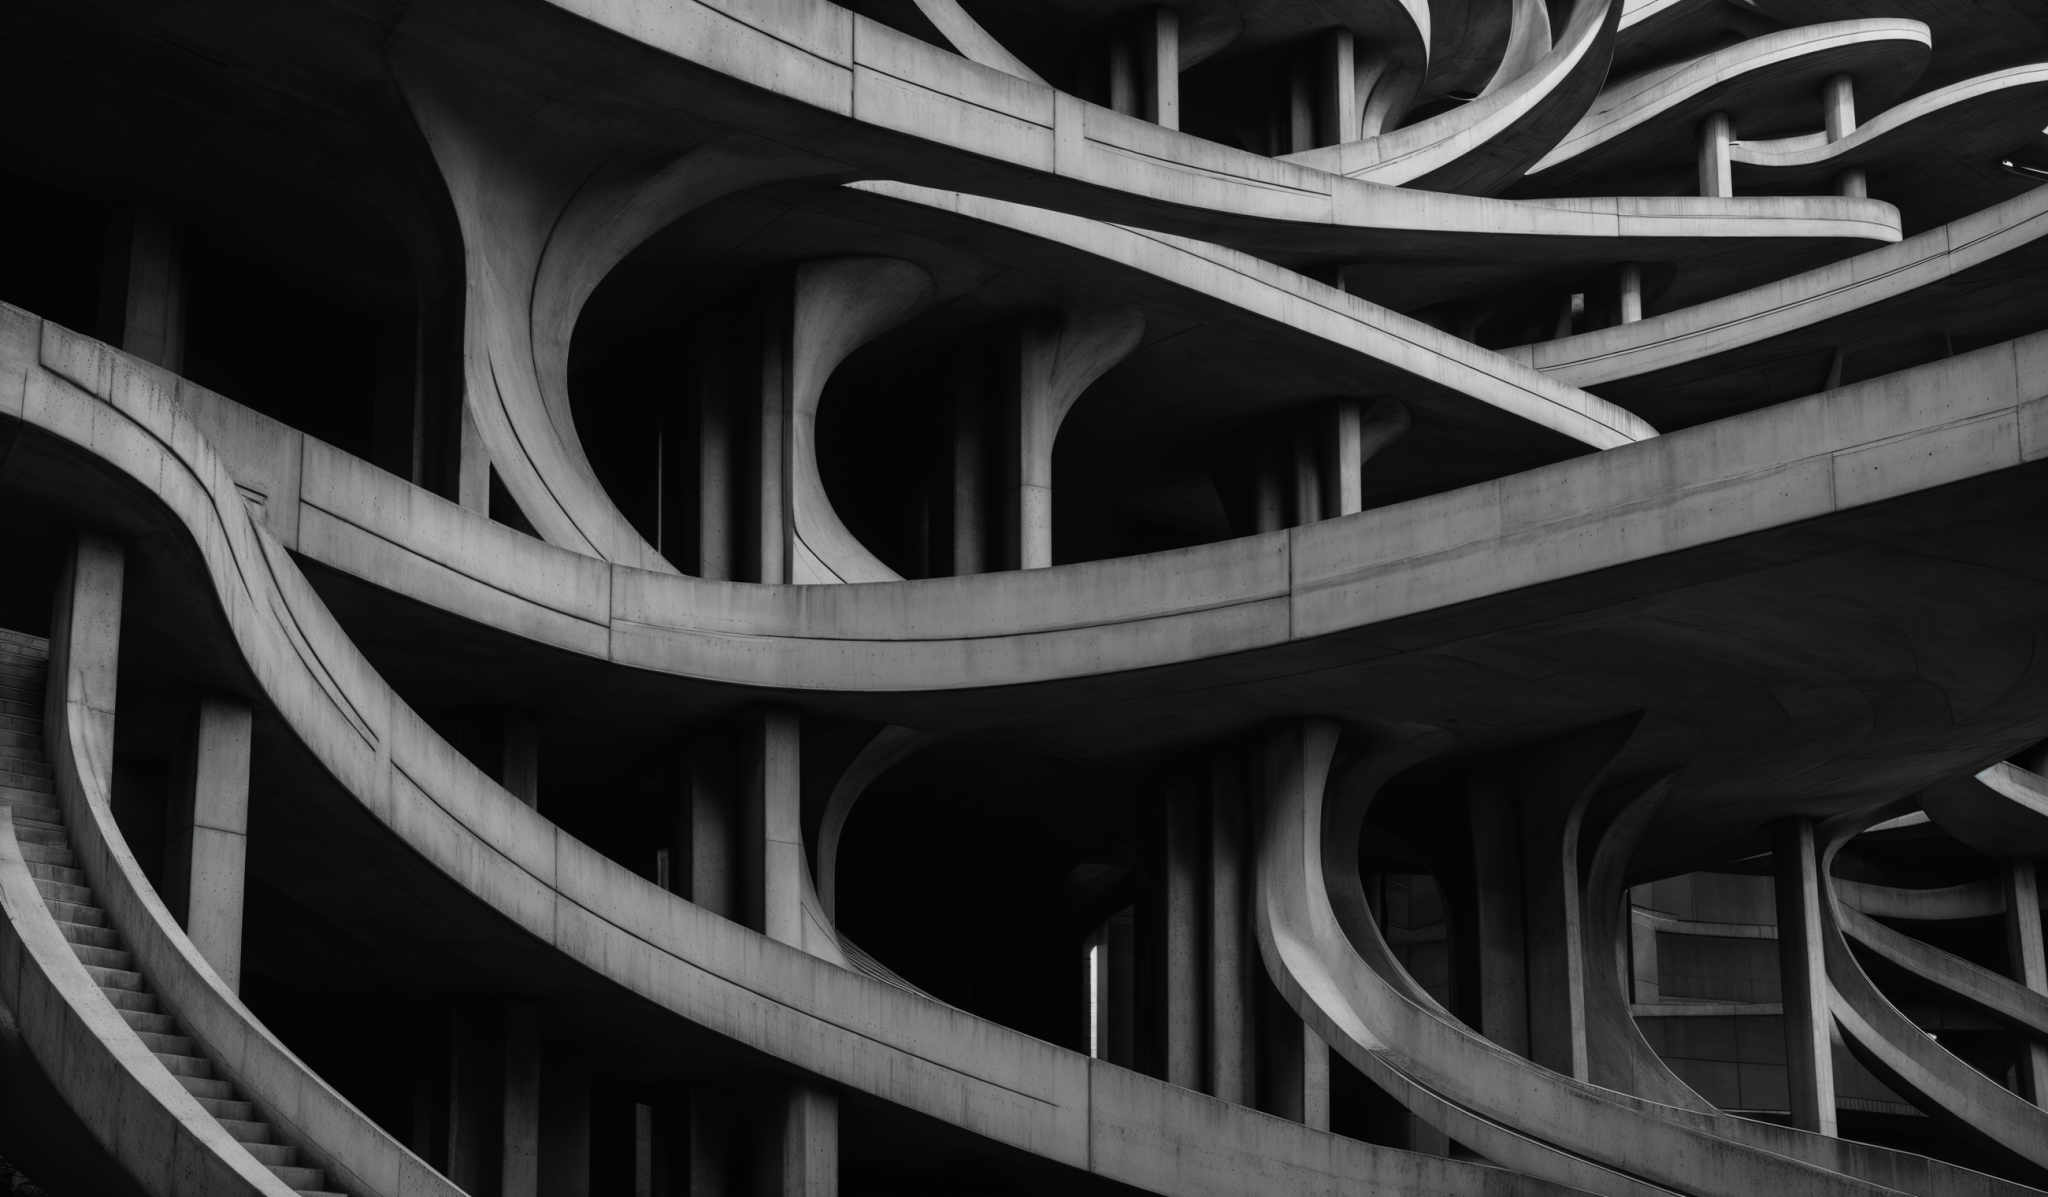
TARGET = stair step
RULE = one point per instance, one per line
(168, 1043)
(274, 1154)
(116, 978)
(132, 1000)
(63, 891)
(99, 957)
(201, 1086)
(227, 1109)
(61, 874)
(85, 935)
(34, 831)
(183, 1066)
(156, 1024)
(302, 1179)
(247, 1131)
(84, 914)
(50, 854)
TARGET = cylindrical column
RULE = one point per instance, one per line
(1229, 1006)
(1631, 298)
(1839, 107)
(1308, 483)
(969, 472)
(2029, 967)
(153, 324)
(520, 1108)
(210, 836)
(1802, 971)
(1181, 946)
(1123, 75)
(1340, 111)
(714, 470)
(1344, 466)
(771, 522)
(1159, 44)
(1269, 500)
(1717, 175)
(775, 852)
(1301, 105)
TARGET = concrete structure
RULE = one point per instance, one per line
(1407, 596)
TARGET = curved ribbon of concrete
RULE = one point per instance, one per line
(1485, 144)
(877, 1039)
(135, 1108)
(1887, 274)
(2004, 998)
(2000, 109)
(2001, 811)
(1972, 900)
(1336, 973)
(1658, 108)
(1623, 1059)
(356, 1153)
(959, 27)
(1905, 1057)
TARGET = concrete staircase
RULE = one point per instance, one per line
(26, 787)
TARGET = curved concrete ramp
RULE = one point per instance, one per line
(2001, 812)
(1999, 996)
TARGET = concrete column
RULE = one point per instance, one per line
(1301, 105)
(2029, 967)
(714, 464)
(1802, 969)
(1631, 300)
(1340, 111)
(472, 465)
(1308, 483)
(153, 318)
(1501, 982)
(1182, 901)
(519, 768)
(712, 1134)
(1057, 359)
(519, 1137)
(564, 1129)
(1231, 946)
(85, 647)
(705, 858)
(210, 836)
(1123, 75)
(1717, 174)
(1853, 184)
(1838, 106)
(1269, 504)
(770, 478)
(1554, 932)
(805, 1154)
(1294, 1062)
(1344, 464)
(969, 468)
(470, 1121)
(1159, 52)
(774, 832)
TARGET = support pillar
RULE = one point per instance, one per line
(1228, 1011)
(519, 1136)
(1057, 360)
(1344, 465)
(153, 318)
(1340, 112)
(1802, 970)
(472, 465)
(1294, 1062)
(1159, 53)
(1269, 501)
(1500, 979)
(1123, 76)
(969, 468)
(469, 1125)
(770, 500)
(564, 1169)
(1308, 484)
(210, 836)
(1181, 939)
(85, 646)
(804, 1156)
(1631, 299)
(715, 474)
(1839, 107)
(2029, 967)
(1717, 173)
(774, 866)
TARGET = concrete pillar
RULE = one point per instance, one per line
(1057, 359)
(1231, 945)
(1838, 106)
(804, 1156)
(1498, 954)
(471, 1122)
(1344, 463)
(774, 871)
(2029, 967)
(1340, 111)
(644, 1149)
(712, 1133)
(153, 317)
(1853, 184)
(704, 858)
(1294, 1062)
(1809, 1058)
(770, 490)
(1307, 477)
(969, 469)
(519, 767)
(472, 465)
(1269, 504)
(1554, 932)
(715, 474)
(519, 1136)
(210, 836)
(1182, 902)
(1301, 105)
(1159, 53)
(1631, 299)
(564, 1169)
(1123, 75)
(1717, 174)
(85, 647)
